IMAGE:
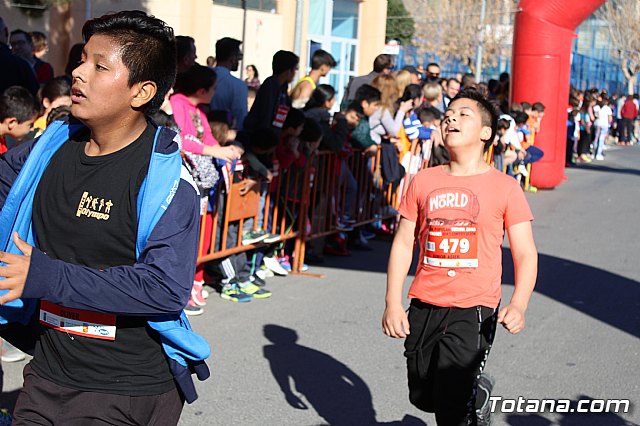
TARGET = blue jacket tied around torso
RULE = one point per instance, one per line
(157, 286)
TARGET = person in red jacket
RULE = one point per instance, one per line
(629, 113)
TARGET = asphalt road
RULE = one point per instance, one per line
(314, 353)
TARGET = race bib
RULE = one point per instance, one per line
(94, 325)
(281, 115)
(452, 244)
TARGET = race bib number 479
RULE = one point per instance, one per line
(452, 244)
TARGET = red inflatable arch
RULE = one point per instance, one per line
(544, 30)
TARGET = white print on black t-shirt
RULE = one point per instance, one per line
(94, 207)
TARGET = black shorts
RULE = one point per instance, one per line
(446, 352)
(43, 402)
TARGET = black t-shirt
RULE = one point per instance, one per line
(84, 212)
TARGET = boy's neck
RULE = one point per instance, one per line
(315, 75)
(114, 135)
(466, 163)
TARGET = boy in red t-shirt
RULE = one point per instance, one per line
(18, 111)
(458, 213)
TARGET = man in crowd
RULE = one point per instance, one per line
(381, 65)
(14, 71)
(231, 92)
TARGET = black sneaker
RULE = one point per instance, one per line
(253, 237)
(483, 405)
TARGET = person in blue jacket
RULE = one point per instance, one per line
(98, 230)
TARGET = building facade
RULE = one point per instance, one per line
(353, 31)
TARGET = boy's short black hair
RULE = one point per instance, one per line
(283, 61)
(368, 93)
(429, 114)
(54, 89)
(227, 47)
(195, 78)
(487, 111)
(504, 124)
(322, 57)
(312, 131)
(295, 119)
(148, 49)
(521, 118)
(355, 106)
(525, 106)
(17, 102)
(539, 106)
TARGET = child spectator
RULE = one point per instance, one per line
(54, 93)
(433, 95)
(457, 214)
(586, 124)
(500, 144)
(18, 111)
(433, 150)
(321, 64)
(529, 154)
(318, 108)
(272, 102)
(604, 118)
(573, 134)
(412, 125)
(196, 86)
(334, 140)
(367, 99)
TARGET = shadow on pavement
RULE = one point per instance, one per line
(337, 394)
(599, 168)
(572, 418)
(605, 296)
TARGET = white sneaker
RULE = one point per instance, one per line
(272, 264)
(522, 169)
(600, 157)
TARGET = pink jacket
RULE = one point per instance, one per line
(193, 122)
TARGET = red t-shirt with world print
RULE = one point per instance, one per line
(460, 223)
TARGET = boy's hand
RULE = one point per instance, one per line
(395, 322)
(406, 106)
(249, 184)
(512, 318)
(15, 270)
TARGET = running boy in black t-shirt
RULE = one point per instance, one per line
(102, 233)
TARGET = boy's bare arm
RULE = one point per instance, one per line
(525, 260)
(394, 321)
